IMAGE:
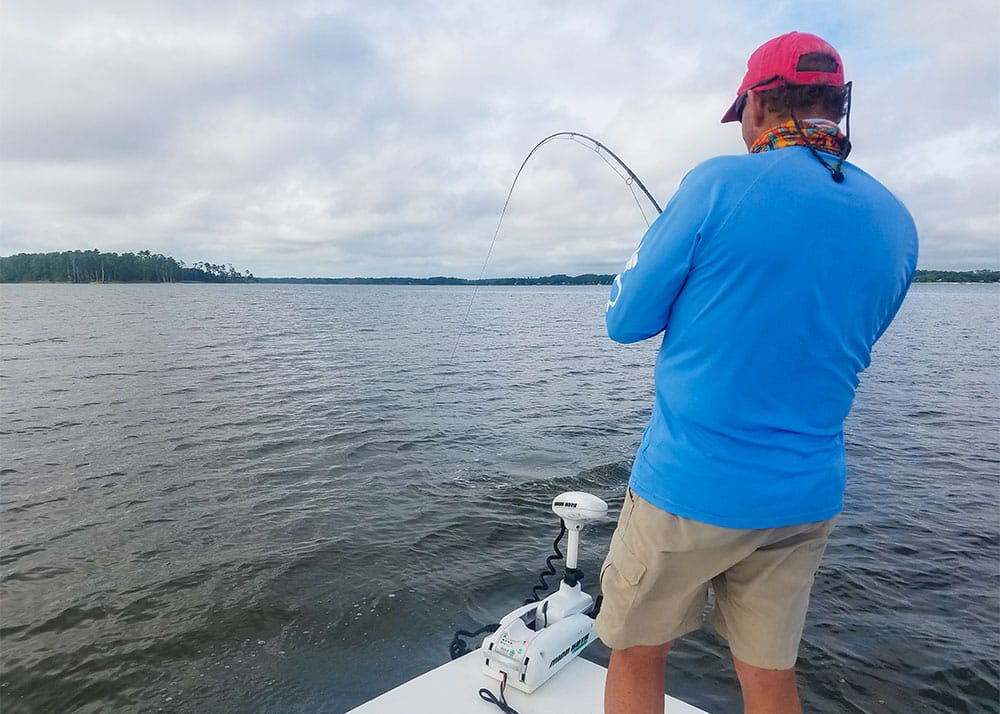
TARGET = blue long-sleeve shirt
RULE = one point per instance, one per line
(770, 284)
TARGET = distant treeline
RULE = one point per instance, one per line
(922, 276)
(957, 276)
(93, 266)
(586, 279)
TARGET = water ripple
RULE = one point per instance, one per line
(252, 498)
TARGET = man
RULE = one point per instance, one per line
(771, 276)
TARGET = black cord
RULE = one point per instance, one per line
(549, 567)
(487, 696)
(459, 647)
(836, 170)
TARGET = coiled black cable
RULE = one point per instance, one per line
(549, 567)
(459, 647)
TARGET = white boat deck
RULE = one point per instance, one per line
(453, 688)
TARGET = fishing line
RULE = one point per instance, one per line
(606, 155)
(628, 179)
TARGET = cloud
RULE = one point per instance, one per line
(336, 138)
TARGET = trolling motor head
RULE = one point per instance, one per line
(577, 509)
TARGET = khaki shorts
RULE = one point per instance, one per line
(656, 577)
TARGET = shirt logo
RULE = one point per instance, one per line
(616, 286)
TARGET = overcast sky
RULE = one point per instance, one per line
(377, 138)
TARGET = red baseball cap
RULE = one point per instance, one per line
(777, 61)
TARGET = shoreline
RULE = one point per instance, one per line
(400, 282)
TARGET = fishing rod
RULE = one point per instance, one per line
(607, 156)
(630, 179)
(598, 147)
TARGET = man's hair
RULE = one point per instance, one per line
(799, 98)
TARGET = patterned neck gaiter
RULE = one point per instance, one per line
(819, 134)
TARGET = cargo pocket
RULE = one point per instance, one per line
(626, 563)
(632, 570)
(620, 588)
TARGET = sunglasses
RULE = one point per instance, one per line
(741, 104)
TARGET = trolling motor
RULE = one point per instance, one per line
(538, 639)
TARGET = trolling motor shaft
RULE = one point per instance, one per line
(576, 509)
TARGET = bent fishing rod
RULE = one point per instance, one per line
(629, 178)
(606, 155)
(598, 147)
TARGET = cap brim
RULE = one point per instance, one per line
(731, 114)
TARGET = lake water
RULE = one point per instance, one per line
(288, 498)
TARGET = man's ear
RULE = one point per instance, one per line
(755, 107)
